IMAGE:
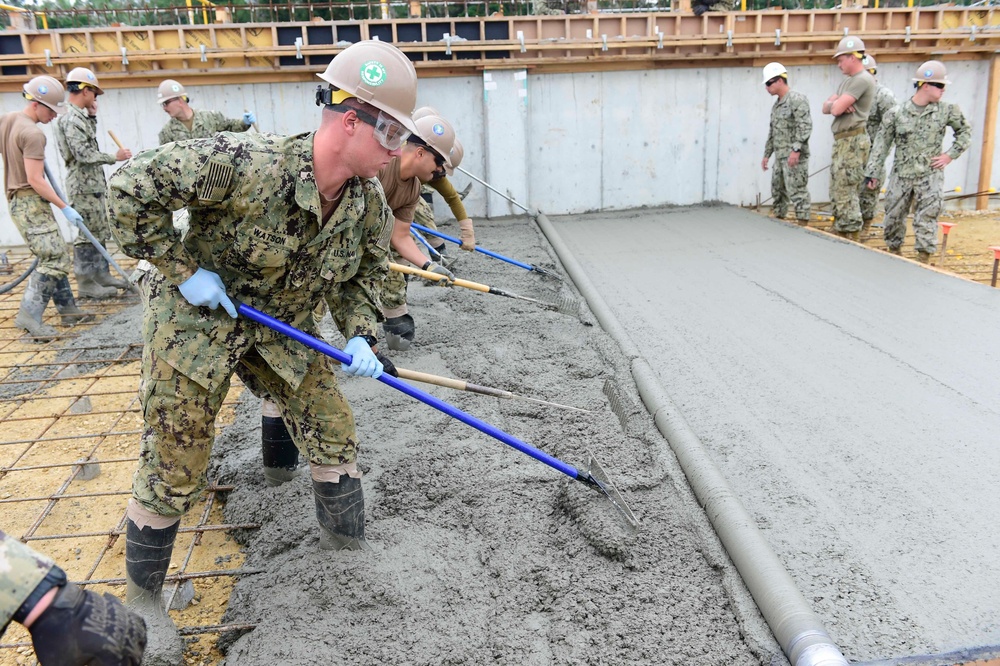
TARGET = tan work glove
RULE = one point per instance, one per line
(467, 234)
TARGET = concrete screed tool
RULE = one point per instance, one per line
(594, 478)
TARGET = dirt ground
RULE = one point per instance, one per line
(480, 554)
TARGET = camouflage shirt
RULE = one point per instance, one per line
(203, 125)
(884, 102)
(76, 136)
(21, 570)
(255, 219)
(791, 126)
(918, 133)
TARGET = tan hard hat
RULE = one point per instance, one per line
(169, 90)
(869, 62)
(850, 45)
(437, 133)
(379, 74)
(424, 111)
(48, 92)
(932, 71)
(83, 76)
(457, 153)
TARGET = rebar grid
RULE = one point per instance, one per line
(53, 438)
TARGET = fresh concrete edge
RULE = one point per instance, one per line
(796, 627)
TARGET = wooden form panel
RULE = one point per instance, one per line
(451, 45)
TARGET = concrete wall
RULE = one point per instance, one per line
(568, 143)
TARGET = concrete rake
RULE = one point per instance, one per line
(489, 253)
(565, 305)
(594, 477)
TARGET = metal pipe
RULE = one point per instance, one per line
(496, 191)
(797, 629)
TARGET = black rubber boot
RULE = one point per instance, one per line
(147, 558)
(87, 263)
(281, 458)
(36, 296)
(399, 332)
(340, 509)
(66, 305)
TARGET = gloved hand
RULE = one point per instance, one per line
(467, 234)
(83, 627)
(440, 270)
(249, 118)
(387, 366)
(364, 363)
(72, 215)
(206, 288)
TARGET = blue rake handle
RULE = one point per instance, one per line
(595, 478)
(423, 241)
(338, 355)
(489, 253)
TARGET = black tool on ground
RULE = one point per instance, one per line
(565, 306)
(594, 477)
(530, 267)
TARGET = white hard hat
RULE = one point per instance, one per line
(773, 69)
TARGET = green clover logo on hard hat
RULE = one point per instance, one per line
(850, 44)
(175, 87)
(373, 73)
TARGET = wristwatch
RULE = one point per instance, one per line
(370, 339)
(796, 147)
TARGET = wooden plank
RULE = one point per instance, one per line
(989, 135)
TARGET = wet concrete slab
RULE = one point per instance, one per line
(852, 399)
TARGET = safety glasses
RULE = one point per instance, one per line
(939, 86)
(771, 82)
(390, 133)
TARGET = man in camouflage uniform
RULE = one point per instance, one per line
(281, 224)
(884, 102)
(788, 141)
(917, 129)
(186, 123)
(849, 106)
(76, 136)
(29, 195)
(68, 625)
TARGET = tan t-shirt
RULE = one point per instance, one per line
(861, 87)
(401, 195)
(20, 139)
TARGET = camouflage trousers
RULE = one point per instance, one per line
(21, 570)
(424, 216)
(179, 423)
(926, 196)
(869, 199)
(847, 175)
(790, 186)
(95, 215)
(393, 295)
(33, 218)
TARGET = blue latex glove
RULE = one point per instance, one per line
(72, 215)
(206, 288)
(249, 118)
(363, 360)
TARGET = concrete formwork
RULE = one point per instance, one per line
(575, 142)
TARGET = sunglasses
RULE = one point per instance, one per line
(939, 86)
(771, 82)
